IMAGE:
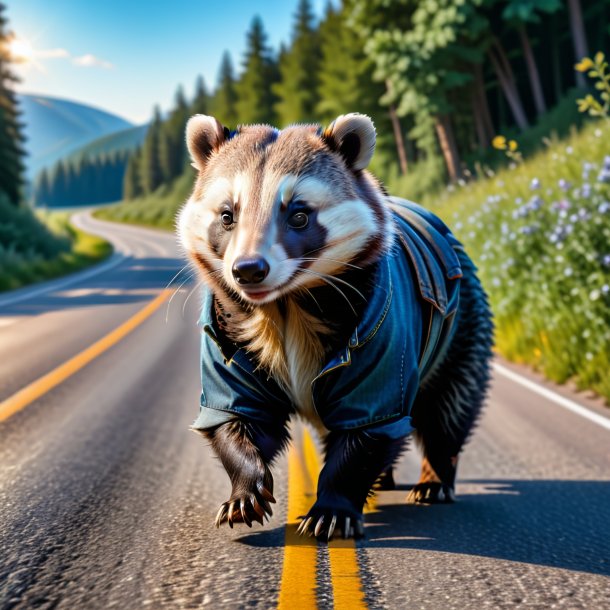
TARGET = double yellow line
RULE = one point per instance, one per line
(298, 586)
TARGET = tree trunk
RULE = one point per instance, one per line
(506, 78)
(579, 37)
(483, 104)
(556, 58)
(478, 121)
(446, 138)
(532, 71)
(400, 144)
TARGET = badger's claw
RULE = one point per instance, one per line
(245, 509)
(431, 493)
(324, 523)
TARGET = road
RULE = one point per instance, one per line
(108, 500)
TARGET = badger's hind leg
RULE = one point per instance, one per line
(449, 403)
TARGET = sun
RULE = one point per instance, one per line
(20, 50)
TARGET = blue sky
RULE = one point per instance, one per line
(125, 56)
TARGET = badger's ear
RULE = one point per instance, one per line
(204, 135)
(353, 137)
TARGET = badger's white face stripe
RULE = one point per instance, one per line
(315, 193)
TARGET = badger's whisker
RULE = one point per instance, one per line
(175, 276)
(190, 294)
(332, 260)
(190, 277)
(313, 298)
(327, 279)
(338, 279)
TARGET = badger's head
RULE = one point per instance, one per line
(274, 211)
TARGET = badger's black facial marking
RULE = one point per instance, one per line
(219, 233)
(298, 241)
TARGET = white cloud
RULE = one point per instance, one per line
(91, 61)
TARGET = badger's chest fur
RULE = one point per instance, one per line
(290, 234)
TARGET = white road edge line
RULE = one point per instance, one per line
(566, 403)
(121, 252)
(114, 260)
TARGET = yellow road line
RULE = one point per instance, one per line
(298, 584)
(36, 389)
(348, 593)
(299, 572)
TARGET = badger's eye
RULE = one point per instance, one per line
(226, 218)
(298, 220)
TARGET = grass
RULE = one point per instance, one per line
(39, 247)
(540, 234)
(156, 210)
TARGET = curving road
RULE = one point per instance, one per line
(107, 500)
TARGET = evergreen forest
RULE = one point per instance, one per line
(440, 79)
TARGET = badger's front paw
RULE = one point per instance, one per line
(324, 522)
(250, 499)
(431, 493)
(246, 508)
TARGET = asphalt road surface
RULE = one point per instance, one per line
(107, 500)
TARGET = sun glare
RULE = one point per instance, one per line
(20, 50)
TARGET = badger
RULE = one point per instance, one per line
(327, 298)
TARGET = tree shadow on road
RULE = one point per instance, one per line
(134, 280)
(561, 524)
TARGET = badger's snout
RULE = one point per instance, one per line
(250, 269)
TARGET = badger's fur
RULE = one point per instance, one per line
(286, 228)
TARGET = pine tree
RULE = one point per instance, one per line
(298, 87)
(223, 104)
(59, 185)
(150, 168)
(11, 137)
(201, 101)
(43, 189)
(132, 183)
(255, 97)
(171, 145)
(346, 81)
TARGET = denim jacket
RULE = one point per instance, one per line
(372, 382)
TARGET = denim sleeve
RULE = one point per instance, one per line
(230, 391)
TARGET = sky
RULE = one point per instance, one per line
(125, 56)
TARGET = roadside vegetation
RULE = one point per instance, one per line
(540, 235)
(43, 246)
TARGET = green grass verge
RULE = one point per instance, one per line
(156, 210)
(68, 249)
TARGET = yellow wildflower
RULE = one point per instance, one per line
(599, 57)
(586, 63)
(512, 145)
(499, 142)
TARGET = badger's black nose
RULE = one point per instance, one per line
(250, 270)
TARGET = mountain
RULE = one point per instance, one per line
(55, 128)
(124, 140)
